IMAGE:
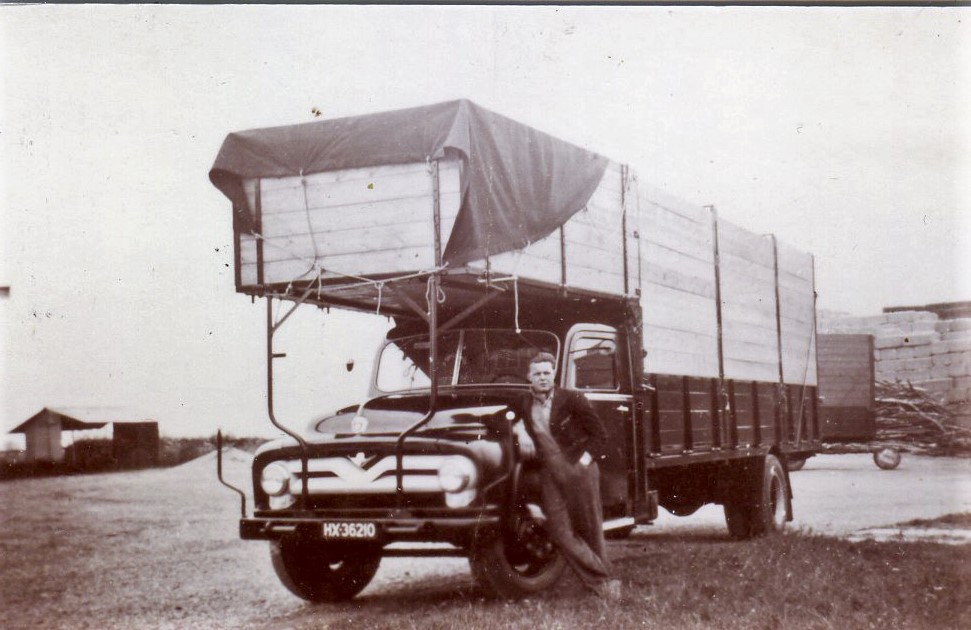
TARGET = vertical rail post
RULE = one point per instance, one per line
(219, 474)
(623, 224)
(258, 229)
(783, 400)
(687, 429)
(723, 398)
(271, 329)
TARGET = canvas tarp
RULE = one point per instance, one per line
(519, 184)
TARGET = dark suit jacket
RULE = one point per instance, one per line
(574, 424)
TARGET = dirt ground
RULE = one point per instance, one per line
(154, 549)
(160, 549)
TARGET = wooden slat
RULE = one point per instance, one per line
(677, 309)
(659, 338)
(673, 362)
(685, 237)
(331, 245)
(345, 220)
(757, 351)
(353, 187)
(540, 261)
(735, 241)
(586, 277)
(742, 370)
(247, 252)
(677, 270)
(750, 313)
(401, 261)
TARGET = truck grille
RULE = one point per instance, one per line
(362, 475)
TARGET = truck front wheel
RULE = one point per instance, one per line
(760, 504)
(517, 566)
(322, 572)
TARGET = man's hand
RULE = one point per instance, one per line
(527, 449)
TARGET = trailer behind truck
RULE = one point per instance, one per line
(487, 241)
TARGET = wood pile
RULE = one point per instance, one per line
(909, 419)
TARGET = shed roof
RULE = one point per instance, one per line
(83, 418)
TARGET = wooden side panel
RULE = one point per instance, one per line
(699, 396)
(797, 304)
(247, 257)
(749, 333)
(355, 222)
(538, 262)
(670, 414)
(744, 409)
(677, 287)
(592, 242)
(846, 371)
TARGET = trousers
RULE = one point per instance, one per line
(571, 503)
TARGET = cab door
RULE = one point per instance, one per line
(593, 364)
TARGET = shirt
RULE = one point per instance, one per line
(541, 411)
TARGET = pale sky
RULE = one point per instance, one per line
(843, 131)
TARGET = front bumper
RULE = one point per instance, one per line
(387, 528)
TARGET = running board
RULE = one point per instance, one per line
(536, 512)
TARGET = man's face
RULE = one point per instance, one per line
(541, 377)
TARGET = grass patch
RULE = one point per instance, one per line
(793, 581)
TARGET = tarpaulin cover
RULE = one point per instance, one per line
(519, 184)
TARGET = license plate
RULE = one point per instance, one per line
(350, 530)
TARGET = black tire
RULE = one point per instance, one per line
(517, 566)
(796, 463)
(760, 506)
(323, 572)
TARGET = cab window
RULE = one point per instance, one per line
(593, 363)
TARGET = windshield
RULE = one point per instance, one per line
(465, 357)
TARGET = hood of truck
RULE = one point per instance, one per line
(461, 414)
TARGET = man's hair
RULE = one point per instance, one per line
(543, 357)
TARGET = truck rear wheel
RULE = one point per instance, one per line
(761, 505)
(322, 572)
(517, 566)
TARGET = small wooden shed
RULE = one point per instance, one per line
(132, 433)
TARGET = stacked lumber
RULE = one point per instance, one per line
(909, 419)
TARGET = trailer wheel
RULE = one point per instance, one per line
(760, 507)
(886, 458)
(517, 566)
(322, 572)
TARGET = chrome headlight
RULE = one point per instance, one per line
(456, 474)
(275, 479)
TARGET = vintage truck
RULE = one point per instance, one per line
(486, 241)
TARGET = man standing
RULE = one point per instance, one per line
(564, 432)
